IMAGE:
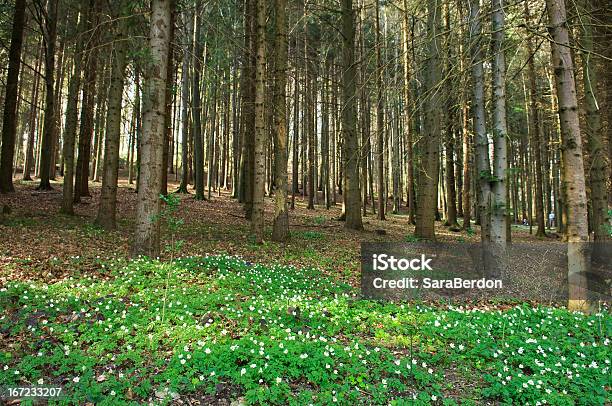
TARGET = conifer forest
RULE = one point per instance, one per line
(307, 202)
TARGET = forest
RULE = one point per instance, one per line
(191, 192)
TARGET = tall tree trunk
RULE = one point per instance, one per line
(380, 126)
(499, 215)
(108, 197)
(168, 127)
(573, 166)
(350, 155)
(81, 184)
(146, 236)
(280, 228)
(9, 123)
(29, 160)
(407, 39)
(257, 218)
(483, 166)
(74, 87)
(535, 129)
(428, 185)
(598, 169)
(50, 36)
(185, 117)
(197, 106)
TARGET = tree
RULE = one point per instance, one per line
(185, 118)
(350, 154)
(74, 87)
(498, 208)
(257, 218)
(198, 147)
(50, 37)
(146, 236)
(577, 227)
(108, 197)
(598, 169)
(380, 126)
(535, 130)
(9, 123)
(429, 169)
(483, 165)
(408, 115)
(280, 228)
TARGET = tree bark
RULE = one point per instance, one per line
(499, 215)
(429, 176)
(50, 36)
(350, 155)
(280, 228)
(108, 197)
(600, 218)
(9, 123)
(146, 236)
(573, 165)
(259, 179)
(483, 165)
(185, 116)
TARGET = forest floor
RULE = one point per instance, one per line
(217, 225)
(232, 322)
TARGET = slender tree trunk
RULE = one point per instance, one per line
(29, 155)
(197, 106)
(280, 228)
(407, 39)
(185, 116)
(428, 185)
(81, 184)
(74, 87)
(168, 138)
(483, 166)
(50, 34)
(350, 155)
(499, 215)
(9, 123)
(108, 197)
(600, 218)
(573, 165)
(535, 130)
(380, 126)
(146, 238)
(257, 218)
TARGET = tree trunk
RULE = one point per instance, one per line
(50, 34)
(168, 138)
(380, 126)
(9, 123)
(185, 121)
(29, 155)
(350, 155)
(280, 228)
(598, 169)
(483, 166)
(74, 87)
(257, 218)
(108, 197)
(198, 147)
(428, 185)
(146, 237)
(535, 129)
(499, 215)
(407, 38)
(573, 166)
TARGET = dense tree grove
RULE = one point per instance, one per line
(463, 112)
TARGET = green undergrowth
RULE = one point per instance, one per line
(213, 327)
